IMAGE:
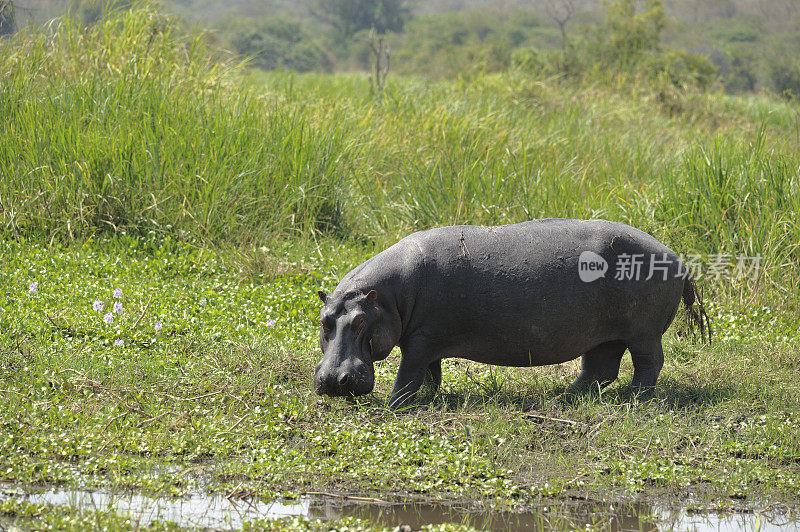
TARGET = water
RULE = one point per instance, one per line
(218, 512)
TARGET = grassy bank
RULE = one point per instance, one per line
(201, 382)
(219, 202)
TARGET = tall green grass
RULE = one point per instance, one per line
(740, 198)
(132, 125)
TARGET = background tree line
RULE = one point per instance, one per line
(743, 45)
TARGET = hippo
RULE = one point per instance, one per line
(529, 294)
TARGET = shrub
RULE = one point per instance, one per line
(448, 44)
(784, 76)
(631, 29)
(738, 72)
(626, 46)
(276, 43)
(738, 30)
(683, 69)
(529, 59)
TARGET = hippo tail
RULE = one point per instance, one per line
(696, 315)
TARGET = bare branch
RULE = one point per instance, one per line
(561, 12)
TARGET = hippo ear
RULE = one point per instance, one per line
(372, 297)
(323, 296)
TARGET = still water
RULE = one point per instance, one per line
(218, 512)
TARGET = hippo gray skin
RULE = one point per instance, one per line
(530, 294)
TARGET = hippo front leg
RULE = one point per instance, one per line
(433, 378)
(416, 368)
(431, 382)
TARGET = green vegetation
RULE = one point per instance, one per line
(276, 42)
(220, 200)
(468, 42)
(157, 138)
(351, 16)
(200, 380)
(162, 138)
(741, 46)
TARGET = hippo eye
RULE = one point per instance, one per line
(326, 325)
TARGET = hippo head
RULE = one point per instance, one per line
(355, 331)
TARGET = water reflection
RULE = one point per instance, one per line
(218, 512)
(561, 517)
(198, 510)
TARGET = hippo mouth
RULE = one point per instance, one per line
(344, 386)
(361, 388)
(350, 378)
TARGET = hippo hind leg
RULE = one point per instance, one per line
(599, 367)
(648, 358)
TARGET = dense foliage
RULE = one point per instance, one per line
(276, 42)
(350, 16)
(739, 45)
(131, 125)
(745, 49)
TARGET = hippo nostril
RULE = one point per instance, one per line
(343, 379)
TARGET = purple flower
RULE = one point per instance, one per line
(118, 293)
(203, 301)
(118, 342)
(97, 305)
(108, 318)
(270, 323)
(158, 325)
(33, 287)
(117, 306)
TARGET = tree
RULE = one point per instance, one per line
(633, 27)
(7, 20)
(561, 12)
(382, 54)
(350, 16)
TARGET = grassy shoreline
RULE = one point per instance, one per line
(222, 391)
